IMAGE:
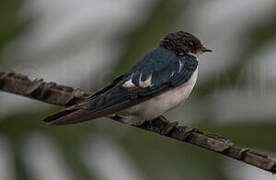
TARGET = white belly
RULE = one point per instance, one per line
(160, 104)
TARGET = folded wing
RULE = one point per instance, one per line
(156, 73)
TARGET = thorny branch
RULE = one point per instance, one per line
(65, 96)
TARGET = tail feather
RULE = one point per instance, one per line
(70, 115)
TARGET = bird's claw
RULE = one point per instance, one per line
(188, 132)
(169, 127)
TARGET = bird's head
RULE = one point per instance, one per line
(183, 43)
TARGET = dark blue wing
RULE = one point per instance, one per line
(165, 69)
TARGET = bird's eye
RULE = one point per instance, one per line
(191, 43)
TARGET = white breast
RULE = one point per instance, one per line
(160, 104)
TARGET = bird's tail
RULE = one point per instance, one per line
(70, 115)
(94, 107)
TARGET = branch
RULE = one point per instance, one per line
(66, 96)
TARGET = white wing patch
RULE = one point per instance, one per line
(172, 74)
(129, 83)
(180, 66)
(146, 83)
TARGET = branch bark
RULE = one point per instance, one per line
(65, 96)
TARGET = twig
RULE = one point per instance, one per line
(66, 96)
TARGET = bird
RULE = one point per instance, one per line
(158, 82)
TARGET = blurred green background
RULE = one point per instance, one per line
(87, 43)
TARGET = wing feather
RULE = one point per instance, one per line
(162, 65)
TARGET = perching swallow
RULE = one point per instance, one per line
(160, 81)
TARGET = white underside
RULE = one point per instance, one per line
(158, 105)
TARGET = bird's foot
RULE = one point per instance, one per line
(188, 132)
(169, 126)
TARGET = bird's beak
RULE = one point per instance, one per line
(204, 49)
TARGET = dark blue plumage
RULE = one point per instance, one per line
(164, 65)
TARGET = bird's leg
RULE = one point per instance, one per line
(169, 126)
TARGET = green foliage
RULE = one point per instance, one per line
(11, 26)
